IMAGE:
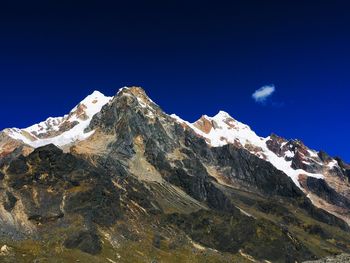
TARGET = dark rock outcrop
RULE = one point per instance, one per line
(322, 189)
(86, 241)
(59, 186)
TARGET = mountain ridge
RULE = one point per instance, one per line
(145, 177)
(289, 156)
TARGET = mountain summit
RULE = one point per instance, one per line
(119, 180)
(62, 130)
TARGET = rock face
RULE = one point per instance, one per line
(53, 187)
(148, 182)
(331, 191)
(11, 148)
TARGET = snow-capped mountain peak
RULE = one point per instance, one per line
(62, 130)
(222, 115)
(222, 129)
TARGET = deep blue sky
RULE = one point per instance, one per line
(192, 59)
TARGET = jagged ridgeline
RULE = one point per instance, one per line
(119, 180)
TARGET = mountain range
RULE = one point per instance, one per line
(119, 180)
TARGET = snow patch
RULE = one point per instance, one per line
(332, 164)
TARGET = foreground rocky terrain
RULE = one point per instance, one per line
(119, 180)
(334, 259)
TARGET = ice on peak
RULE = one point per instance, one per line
(205, 117)
(97, 93)
(222, 115)
(50, 130)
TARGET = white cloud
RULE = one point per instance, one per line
(260, 95)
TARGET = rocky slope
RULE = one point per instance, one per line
(334, 259)
(324, 179)
(139, 185)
